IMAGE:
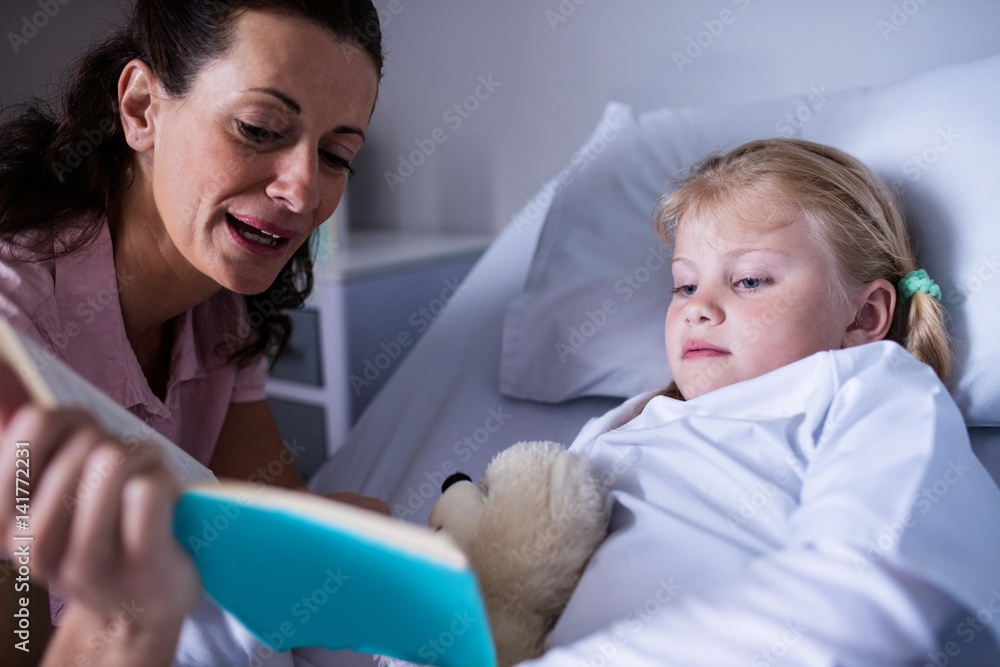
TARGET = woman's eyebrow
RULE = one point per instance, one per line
(294, 106)
(285, 99)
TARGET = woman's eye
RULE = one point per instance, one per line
(336, 162)
(257, 134)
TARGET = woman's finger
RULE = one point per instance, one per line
(13, 394)
(50, 502)
(45, 432)
(95, 550)
(148, 540)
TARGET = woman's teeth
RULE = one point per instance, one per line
(260, 237)
(254, 234)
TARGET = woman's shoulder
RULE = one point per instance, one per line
(32, 262)
(27, 279)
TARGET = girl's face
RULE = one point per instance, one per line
(748, 298)
(256, 156)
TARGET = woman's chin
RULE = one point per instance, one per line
(247, 285)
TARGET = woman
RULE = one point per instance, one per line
(150, 237)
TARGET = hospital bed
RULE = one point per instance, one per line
(561, 318)
(933, 137)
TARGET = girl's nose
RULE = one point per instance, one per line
(703, 307)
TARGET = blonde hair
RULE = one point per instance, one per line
(855, 217)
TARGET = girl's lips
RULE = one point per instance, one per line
(699, 349)
(704, 354)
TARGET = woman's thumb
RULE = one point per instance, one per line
(13, 394)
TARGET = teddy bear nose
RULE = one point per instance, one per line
(456, 477)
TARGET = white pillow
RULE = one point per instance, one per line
(590, 321)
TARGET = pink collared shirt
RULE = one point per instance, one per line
(70, 306)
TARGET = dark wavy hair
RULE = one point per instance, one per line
(62, 171)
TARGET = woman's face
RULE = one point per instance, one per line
(256, 156)
(748, 299)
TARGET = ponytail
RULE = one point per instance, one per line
(56, 174)
(924, 333)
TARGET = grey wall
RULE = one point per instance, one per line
(556, 63)
(557, 75)
(67, 29)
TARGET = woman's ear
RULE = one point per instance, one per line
(138, 104)
(877, 303)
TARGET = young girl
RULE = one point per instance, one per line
(804, 491)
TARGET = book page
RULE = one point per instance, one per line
(396, 533)
(52, 383)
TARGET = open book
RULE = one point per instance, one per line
(297, 570)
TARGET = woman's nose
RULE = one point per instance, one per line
(297, 182)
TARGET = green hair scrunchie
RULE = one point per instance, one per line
(918, 281)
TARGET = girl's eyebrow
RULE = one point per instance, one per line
(738, 253)
(747, 251)
(297, 108)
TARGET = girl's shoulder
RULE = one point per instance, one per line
(883, 371)
(885, 358)
(829, 387)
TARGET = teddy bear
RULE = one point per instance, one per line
(528, 529)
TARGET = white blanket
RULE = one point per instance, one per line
(828, 513)
(211, 637)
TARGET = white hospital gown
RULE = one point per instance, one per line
(830, 512)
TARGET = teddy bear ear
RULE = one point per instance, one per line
(452, 479)
(459, 510)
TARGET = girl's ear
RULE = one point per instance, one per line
(137, 102)
(874, 315)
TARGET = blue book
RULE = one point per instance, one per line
(300, 570)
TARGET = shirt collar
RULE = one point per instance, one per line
(86, 292)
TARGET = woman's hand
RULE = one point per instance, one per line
(100, 513)
(364, 502)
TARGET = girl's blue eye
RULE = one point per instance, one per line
(753, 283)
(685, 290)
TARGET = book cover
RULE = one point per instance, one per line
(297, 570)
(301, 571)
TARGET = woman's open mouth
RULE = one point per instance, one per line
(256, 240)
